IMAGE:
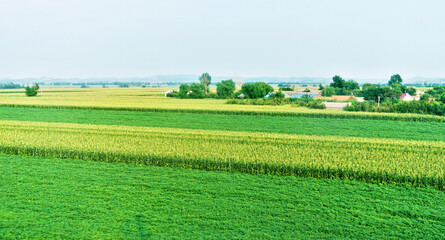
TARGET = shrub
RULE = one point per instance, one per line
(32, 91)
(173, 94)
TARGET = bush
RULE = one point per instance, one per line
(32, 91)
(316, 105)
(286, 89)
(173, 94)
(419, 107)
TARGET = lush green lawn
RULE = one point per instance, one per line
(66, 198)
(292, 125)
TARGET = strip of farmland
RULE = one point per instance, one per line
(420, 163)
(431, 131)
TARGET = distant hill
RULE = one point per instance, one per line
(188, 78)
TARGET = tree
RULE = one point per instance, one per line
(425, 97)
(411, 91)
(328, 91)
(205, 79)
(373, 92)
(338, 82)
(437, 91)
(32, 91)
(184, 89)
(442, 98)
(225, 88)
(320, 87)
(256, 90)
(351, 85)
(197, 90)
(395, 79)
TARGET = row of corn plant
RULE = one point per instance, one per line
(420, 163)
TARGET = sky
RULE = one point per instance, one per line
(141, 38)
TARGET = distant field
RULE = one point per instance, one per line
(434, 131)
(49, 198)
(151, 99)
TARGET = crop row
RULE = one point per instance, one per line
(241, 111)
(420, 163)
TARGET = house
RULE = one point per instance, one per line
(304, 95)
(418, 94)
(299, 93)
(269, 95)
(407, 97)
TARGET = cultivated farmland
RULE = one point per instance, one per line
(286, 161)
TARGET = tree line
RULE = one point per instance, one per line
(224, 89)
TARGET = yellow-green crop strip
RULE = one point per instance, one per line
(153, 100)
(420, 163)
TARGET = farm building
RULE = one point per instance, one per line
(294, 95)
(299, 93)
(406, 97)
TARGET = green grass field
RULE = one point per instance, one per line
(75, 199)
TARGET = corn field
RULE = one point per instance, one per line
(420, 163)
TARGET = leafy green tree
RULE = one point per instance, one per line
(184, 89)
(411, 91)
(320, 87)
(338, 82)
(394, 80)
(205, 79)
(437, 91)
(399, 87)
(351, 85)
(225, 88)
(442, 98)
(197, 90)
(328, 91)
(425, 97)
(32, 91)
(373, 92)
(256, 90)
(343, 87)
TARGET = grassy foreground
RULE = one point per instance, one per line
(55, 198)
(420, 163)
(432, 131)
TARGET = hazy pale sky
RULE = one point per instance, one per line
(139, 38)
